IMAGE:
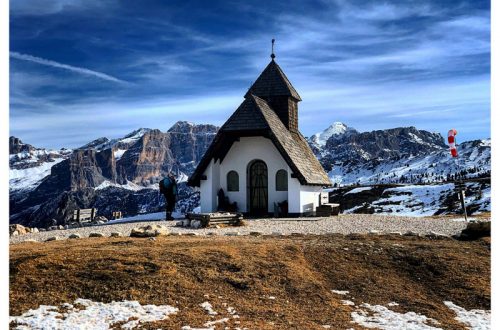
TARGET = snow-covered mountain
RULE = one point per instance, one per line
(122, 174)
(319, 139)
(29, 165)
(403, 171)
(118, 174)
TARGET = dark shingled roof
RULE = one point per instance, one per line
(254, 117)
(273, 82)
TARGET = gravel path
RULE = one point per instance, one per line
(343, 224)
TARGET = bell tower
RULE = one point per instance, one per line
(273, 86)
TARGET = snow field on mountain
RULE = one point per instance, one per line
(30, 178)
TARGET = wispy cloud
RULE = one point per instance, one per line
(54, 64)
(373, 64)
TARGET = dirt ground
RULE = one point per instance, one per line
(244, 272)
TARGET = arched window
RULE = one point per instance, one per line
(281, 181)
(233, 181)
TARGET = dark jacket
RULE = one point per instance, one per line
(168, 187)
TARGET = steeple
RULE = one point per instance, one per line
(273, 86)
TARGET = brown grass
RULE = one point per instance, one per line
(243, 272)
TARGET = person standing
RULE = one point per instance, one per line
(168, 187)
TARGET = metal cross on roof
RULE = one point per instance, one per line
(272, 50)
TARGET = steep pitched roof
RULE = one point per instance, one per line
(254, 117)
(273, 82)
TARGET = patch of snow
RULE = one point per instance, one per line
(392, 303)
(129, 186)
(183, 177)
(413, 200)
(211, 323)
(118, 153)
(94, 315)
(347, 303)
(475, 319)
(208, 307)
(358, 190)
(380, 317)
(341, 292)
(134, 136)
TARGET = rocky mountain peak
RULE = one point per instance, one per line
(181, 127)
(96, 144)
(16, 146)
(335, 129)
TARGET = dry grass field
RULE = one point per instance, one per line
(272, 282)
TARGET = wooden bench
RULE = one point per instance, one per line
(84, 215)
(219, 218)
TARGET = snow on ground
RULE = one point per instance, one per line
(416, 200)
(87, 314)
(208, 307)
(129, 186)
(358, 190)
(341, 292)
(475, 319)
(29, 178)
(380, 317)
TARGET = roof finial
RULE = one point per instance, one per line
(272, 50)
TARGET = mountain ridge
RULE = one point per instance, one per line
(122, 173)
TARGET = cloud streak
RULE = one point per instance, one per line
(368, 63)
(75, 69)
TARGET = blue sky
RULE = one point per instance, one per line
(82, 69)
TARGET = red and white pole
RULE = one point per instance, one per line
(454, 153)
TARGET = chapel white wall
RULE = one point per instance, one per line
(237, 159)
(300, 198)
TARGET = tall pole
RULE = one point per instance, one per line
(461, 189)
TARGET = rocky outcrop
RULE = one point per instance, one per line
(115, 175)
(16, 229)
(150, 231)
(17, 146)
(147, 160)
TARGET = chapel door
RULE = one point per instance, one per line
(257, 178)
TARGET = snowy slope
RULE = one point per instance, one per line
(31, 165)
(29, 178)
(474, 161)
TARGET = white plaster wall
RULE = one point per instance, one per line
(237, 159)
(215, 183)
(206, 191)
(309, 198)
(209, 187)
(294, 205)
